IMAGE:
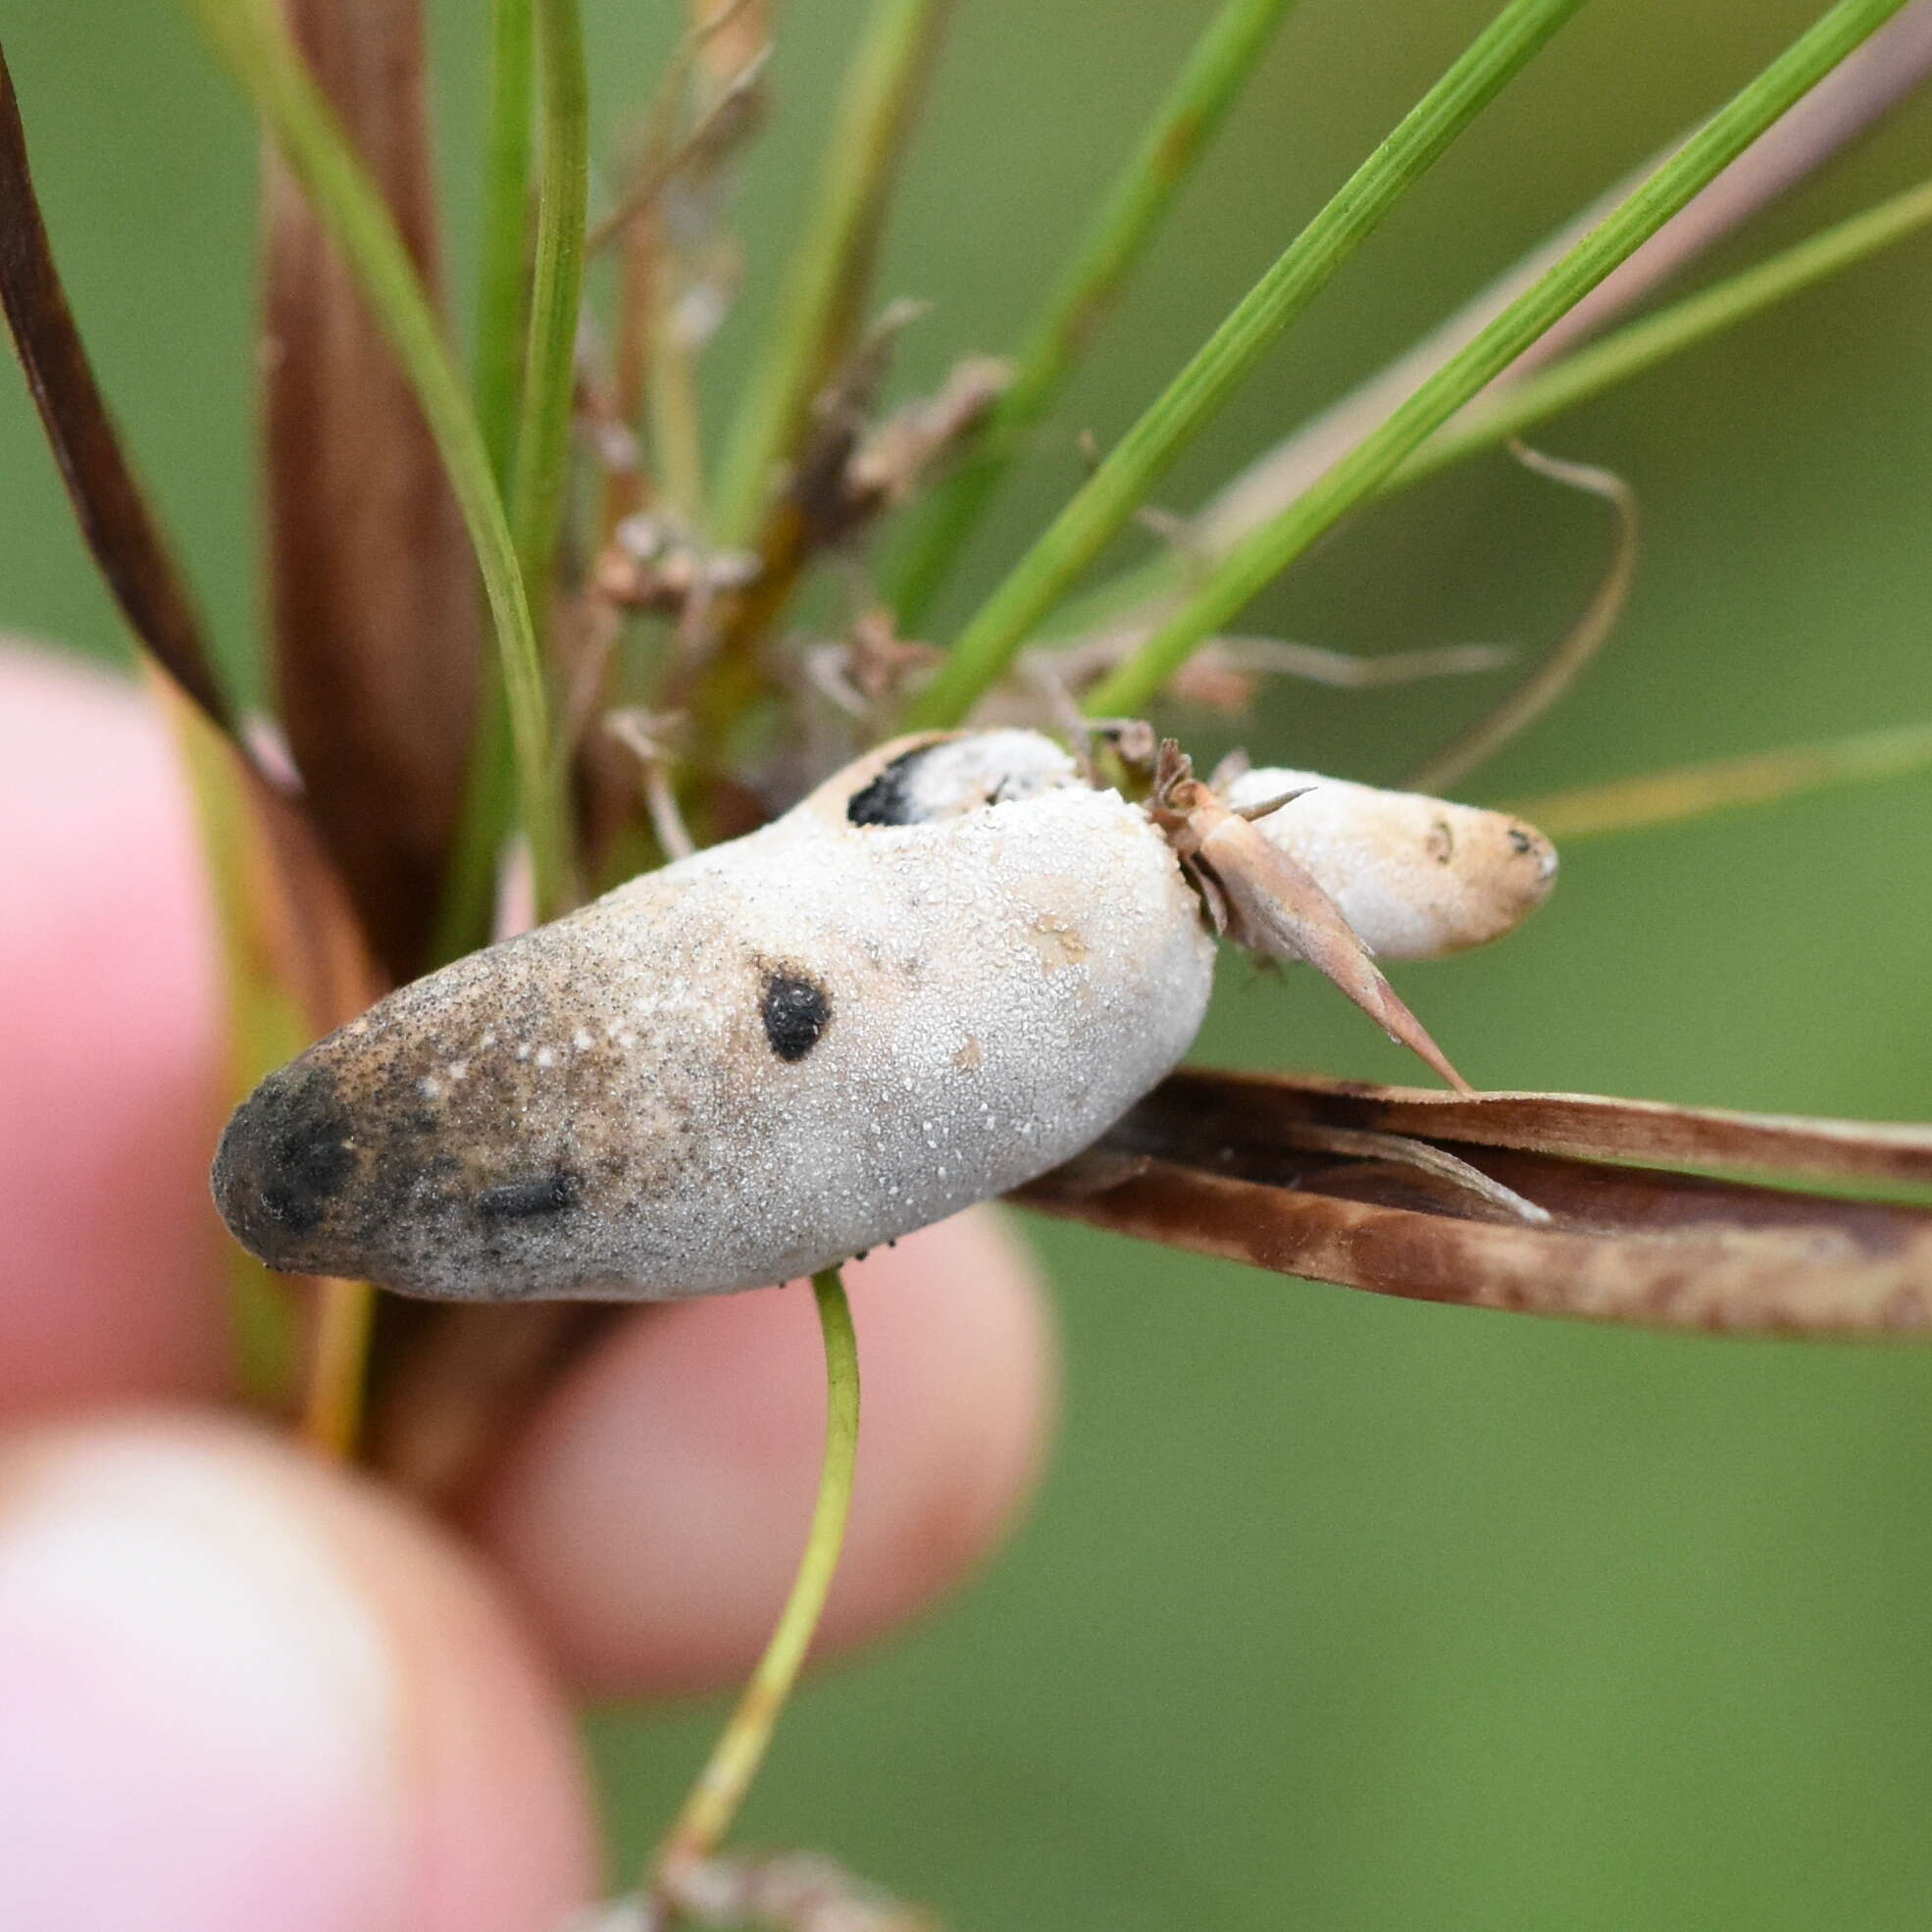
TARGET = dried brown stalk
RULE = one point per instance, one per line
(1587, 1126)
(1547, 680)
(107, 498)
(372, 588)
(1218, 1164)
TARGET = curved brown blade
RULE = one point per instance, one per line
(1195, 1110)
(372, 588)
(1283, 911)
(1625, 1245)
(119, 530)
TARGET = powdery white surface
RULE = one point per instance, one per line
(998, 987)
(1416, 876)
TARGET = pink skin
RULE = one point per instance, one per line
(241, 1688)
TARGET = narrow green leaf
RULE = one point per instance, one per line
(468, 895)
(526, 411)
(1586, 372)
(250, 40)
(833, 260)
(557, 295)
(1222, 60)
(507, 186)
(1120, 485)
(1641, 345)
(1271, 547)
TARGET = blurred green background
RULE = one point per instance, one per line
(1335, 1613)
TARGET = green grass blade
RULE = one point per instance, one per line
(252, 43)
(1222, 60)
(830, 269)
(531, 412)
(469, 892)
(543, 462)
(1120, 485)
(1583, 373)
(1641, 345)
(506, 184)
(1270, 548)
(1761, 777)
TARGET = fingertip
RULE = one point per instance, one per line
(109, 1048)
(653, 1512)
(242, 1691)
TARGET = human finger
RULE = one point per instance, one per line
(109, 1050)
(243, 1690)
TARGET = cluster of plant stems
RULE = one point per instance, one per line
(541, 503)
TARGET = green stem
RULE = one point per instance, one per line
(1122, 482)
(1493, 419)
(1760, 778)
(740, 1748)
(470, 890)
(833, 263)
(526, 412)
(501, 273)
(556, 294)
(1271, 547)
(251, 40)
(468, 907)
(1631, 350)
(1222, 60)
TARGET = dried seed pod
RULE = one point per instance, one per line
(948, 970)
(1417, 878)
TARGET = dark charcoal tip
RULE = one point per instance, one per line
(283, 1162)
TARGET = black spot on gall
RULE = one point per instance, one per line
(519, 1200)
(796, 1011)
(888, 799)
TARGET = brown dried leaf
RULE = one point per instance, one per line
(1632, 1245)
(114, 516)
(1210, 1163)
(372, 586)
(1190, 1107)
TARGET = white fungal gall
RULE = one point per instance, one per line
(1417, 878)
(949, 969)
